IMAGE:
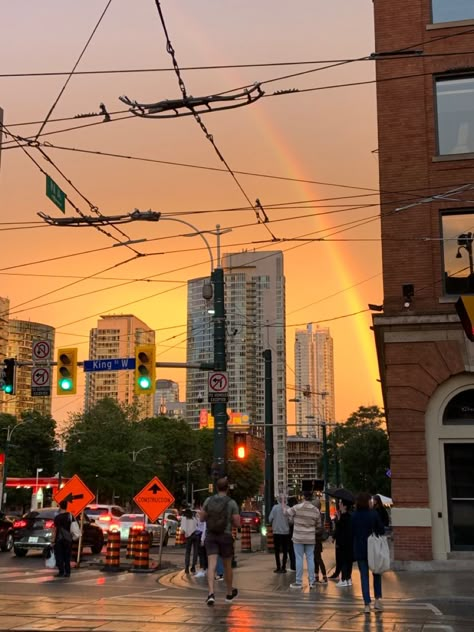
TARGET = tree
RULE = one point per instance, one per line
(360, 446)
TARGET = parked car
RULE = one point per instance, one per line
(136, 522)
(252, 519)
(6, 533)
(34, 532)
(107, 517)
(172, 520)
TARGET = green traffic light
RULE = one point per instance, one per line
(144, 382)
(65, 384)
(7, 388)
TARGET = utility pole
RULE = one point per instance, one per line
(269, 489)
(219, 409)
(327, 518)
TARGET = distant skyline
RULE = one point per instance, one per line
(317, 146)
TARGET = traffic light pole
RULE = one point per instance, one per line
(219, 409)
(327, 518)
(269, 489)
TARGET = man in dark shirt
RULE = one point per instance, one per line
(63, 540)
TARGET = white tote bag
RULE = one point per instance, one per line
(378, 554)
(75, 529)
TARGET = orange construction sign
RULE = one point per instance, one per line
(154, 499)
(77, 495)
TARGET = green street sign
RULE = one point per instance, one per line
(55, 194)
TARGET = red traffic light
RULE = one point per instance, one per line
(240, 446)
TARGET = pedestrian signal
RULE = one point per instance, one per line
(66, 381)
(465, 310)
(240, 446)
(145, 369)
(8, 376)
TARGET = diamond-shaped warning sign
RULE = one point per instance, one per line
(154, 499)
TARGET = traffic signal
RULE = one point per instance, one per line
(240, 446)
(67, 372)
(8, 376)
(465, 310)
(145, 369)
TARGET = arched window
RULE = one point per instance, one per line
(460, 410)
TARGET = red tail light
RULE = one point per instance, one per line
(105, 518)
(255, 519)
(19, 524)
(49, 524)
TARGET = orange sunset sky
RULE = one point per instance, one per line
(325, 137)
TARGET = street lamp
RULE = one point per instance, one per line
(34, 503)
(10, 431)
(135, 453)
(188, 467)
(465, 241)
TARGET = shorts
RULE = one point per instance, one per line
(220, 544)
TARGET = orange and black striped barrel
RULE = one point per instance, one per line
(142, 551)
(131, 543)
(270, 543)
(180, 538)
(245, 542)
(112, 555)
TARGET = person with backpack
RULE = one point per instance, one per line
(220, 513)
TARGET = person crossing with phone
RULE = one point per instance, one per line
(220, 513)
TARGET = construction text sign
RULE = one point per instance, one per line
(154, 499)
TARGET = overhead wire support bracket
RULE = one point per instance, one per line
(194, 105)
(136, 215)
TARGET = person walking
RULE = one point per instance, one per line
(189, 527)
(62, 540)
(281, 535)
(364, 522)
(318, 552)
(291, 502)
(220, 513)
(343, 540)
(201, 533)
(306, 520)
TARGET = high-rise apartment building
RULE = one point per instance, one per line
(21, 335)
(255, 321)
(314, 389)
(116, 337)
(4, 315)
(167, 392)
(426, 163)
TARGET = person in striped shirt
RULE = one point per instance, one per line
(307, 521)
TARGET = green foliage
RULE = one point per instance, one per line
(360, 446)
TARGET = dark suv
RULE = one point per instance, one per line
(6, 533)
(34, 532)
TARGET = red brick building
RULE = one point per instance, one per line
(426, 151)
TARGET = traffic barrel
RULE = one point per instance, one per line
(112, 555)
(245, 542)
(142, 552)
(270, 543)
(131, 544)
(180, 538)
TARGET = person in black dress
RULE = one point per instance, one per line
(63, 540)
(343, 539)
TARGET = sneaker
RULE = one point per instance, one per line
(324, 580)
(283, 570)
(378, 605)
(201, 573)
(367, 608)
(230, 598)
(342, 583)
(313, 584)
(349, 582)
(186, 570)
(277, 570)
(193, 569)
(219, 578)
(211, 600)
(296, 585)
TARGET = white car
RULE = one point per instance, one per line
(136, 522)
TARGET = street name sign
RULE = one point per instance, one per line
(217, 387)
(109, 364)
(154, 499)
(55, 194)
(77, 495)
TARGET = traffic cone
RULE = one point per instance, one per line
(246, 542)
(112, 555)
(270, 543)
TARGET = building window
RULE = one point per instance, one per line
(460, 410)
(455, 114)
(452, 10)
(458, 266)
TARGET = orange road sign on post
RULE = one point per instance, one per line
(77, 495)
(154, 499)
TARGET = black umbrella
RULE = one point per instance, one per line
(342, 494)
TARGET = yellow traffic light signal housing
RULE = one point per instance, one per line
(8, 376)
(66, 381)
(145, 369)
(465, 310)
(240, 446)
